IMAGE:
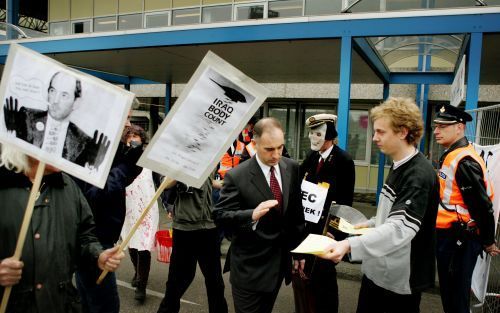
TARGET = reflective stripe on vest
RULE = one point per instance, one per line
(449, 191)
(251, 149)
(228, 162)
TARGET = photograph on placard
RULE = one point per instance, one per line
(60, 116)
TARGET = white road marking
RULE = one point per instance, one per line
(150, 292)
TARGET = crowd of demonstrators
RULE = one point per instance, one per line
(398, 254)
(465, 222)
(138, 196)
(195, 241)
(108, 207)
(317, 291)
(260, 204)
(61, 238)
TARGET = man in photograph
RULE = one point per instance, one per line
(51, 129)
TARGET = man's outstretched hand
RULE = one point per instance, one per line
(15, 117)
(96, 149)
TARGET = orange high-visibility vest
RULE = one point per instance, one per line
(251, 149)
(228, 162)
(245, 134)
(449, 191)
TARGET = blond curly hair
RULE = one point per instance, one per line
(402, 113)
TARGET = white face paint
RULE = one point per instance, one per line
(317, 137)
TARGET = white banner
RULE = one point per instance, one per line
(491, 156)
(60, 116)
(313, 200)
(211, 111)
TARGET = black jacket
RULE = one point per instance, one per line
(59, 240)
(108, 204)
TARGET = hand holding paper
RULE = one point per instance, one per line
(324, 247)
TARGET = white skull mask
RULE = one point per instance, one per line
(317, 137)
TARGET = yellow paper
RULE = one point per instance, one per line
(348, 228)
(314, 244)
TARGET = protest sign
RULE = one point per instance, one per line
(313, 200)
(60, 116)
(491, 156)
(211, 111)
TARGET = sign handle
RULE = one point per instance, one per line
(24, 227)
(166, 182)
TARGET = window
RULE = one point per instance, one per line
(320, 7)
(79, 27)
(359, 134)
(157, 19)
(103, 24)
(287, 115)
(216, 14)
(59, 28)
(286, 8)
(130, 21)
(250, 11)
(186, 16)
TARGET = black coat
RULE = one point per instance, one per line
(59, 240)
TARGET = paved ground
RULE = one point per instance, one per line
(194, 300)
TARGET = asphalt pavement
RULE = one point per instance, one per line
(195, 300)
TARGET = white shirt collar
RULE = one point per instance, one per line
(266, 169)
(405, 159)
(327, 152)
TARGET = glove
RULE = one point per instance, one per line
(15, 117)
(132, 154)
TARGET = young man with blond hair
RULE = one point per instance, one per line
(398, 253)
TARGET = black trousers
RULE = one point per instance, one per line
(375, 299)
(142, 264)
(254, 302)
(188, 249)
(455, 266)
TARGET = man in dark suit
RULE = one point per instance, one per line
(260, 204)
(51, 130)
(329, 164)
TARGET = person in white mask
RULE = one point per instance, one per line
(332, 166)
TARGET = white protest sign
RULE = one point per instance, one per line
(457, 88)
(491, 156)
(60, 116)
(211, 111)
(313, 200)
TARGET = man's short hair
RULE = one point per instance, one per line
(78, 87)
(402, 113)
(264, 125)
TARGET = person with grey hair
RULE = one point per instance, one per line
(60, 237)
(260, 204)
(51, 129)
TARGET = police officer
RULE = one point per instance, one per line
(465, 223)
(329, 164)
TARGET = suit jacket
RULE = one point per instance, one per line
(260, 258)
(30, 126)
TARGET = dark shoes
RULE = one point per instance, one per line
(140, 294)
(134, 282)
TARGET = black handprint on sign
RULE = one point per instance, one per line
(15, 117)
(96, 149)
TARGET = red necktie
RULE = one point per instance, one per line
(320, 165)
(275, 188)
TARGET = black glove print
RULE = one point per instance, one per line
(15, 117)
(96, 149)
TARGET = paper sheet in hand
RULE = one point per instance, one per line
(212, 110)
(313, 244)
(348, 228)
